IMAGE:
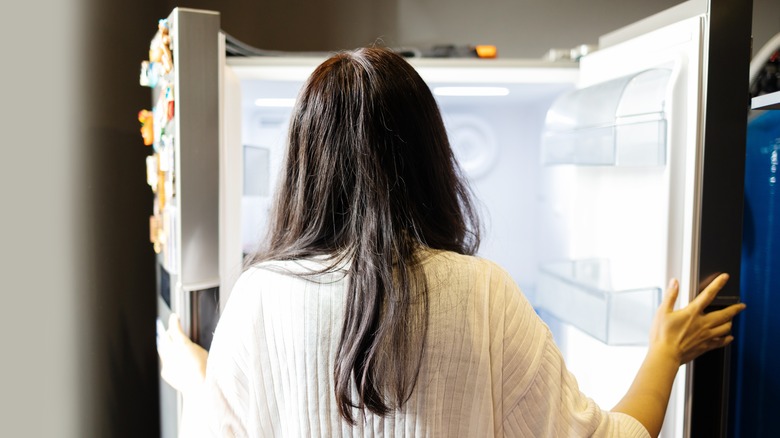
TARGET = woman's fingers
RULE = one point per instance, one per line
(174, 324)
(175, 331)
(670, 296)
(716, 343)
(710, 292)
(721, 330)
(713, 344)
(163, 340)
(722, 316)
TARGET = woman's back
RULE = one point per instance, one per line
(489, 367)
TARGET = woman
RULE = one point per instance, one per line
(367, 313)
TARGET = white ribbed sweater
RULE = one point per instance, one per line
(490, 367)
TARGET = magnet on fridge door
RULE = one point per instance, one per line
(169, 187)
(165, 151)
(151, 171)
(156, 51)
(146, 118)
(154, 233)
(153, 73)
(162, 196)
(159, 61)
(169, 102)
(144, 77)
(159, 126)
(164, 28)
(150, 73)
(165, 45)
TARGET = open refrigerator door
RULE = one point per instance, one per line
(644, 167)
(182, 170)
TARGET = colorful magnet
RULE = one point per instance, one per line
(151, 171)
(166, 153)
(166, 57)
(155, 230)
(170, 102)
(150, 73)
(161, 186)
(144, 77)
(155, 51)
(159, 126)
(146, 118)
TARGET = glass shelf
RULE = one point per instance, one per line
(579, 293)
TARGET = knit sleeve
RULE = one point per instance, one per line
(554, 406)
(224, 407)
(541, 397)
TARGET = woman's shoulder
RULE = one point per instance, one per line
(290, 275)
(301, 268)
(449, 260)
(258, 277)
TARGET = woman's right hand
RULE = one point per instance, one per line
(687, 333)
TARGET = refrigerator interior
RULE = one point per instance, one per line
(597, 231)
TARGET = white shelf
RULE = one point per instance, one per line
(579, 293)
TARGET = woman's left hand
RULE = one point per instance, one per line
(183, 361)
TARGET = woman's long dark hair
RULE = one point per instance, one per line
(370, 176)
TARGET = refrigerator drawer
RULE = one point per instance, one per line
(579, 293)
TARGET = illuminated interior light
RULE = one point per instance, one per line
(275, 102)
(470, 91)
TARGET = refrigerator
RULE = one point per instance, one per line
(755, 356)
(597, 180)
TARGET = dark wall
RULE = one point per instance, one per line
(122, 296)
(521, 28)
(274, 24)
(766, 22)
(303, 25)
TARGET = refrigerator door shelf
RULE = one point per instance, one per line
(621, 122)
(579, 293)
